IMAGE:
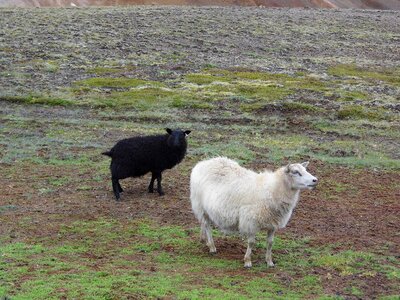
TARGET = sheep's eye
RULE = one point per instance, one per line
(296, 173)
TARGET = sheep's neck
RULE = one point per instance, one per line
(284, 201)
(282, 191)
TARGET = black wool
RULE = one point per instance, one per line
(137, 156)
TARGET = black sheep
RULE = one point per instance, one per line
(136, 156)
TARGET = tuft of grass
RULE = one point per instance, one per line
(4, 208)
(282, 147)
(266, 92)
(51, 66)
(348, 96)
(347, 262)
(300, 106)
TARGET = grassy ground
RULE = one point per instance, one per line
(277, 87)
(108, 259)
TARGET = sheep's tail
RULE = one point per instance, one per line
(108, 153)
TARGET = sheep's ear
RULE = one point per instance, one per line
(187, 132)
(287, 169)
(305, 164)
(168, 130)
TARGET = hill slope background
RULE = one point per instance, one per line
(361, 4)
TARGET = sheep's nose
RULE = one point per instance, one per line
(315, 180)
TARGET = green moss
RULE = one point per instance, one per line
(254, 88)
(390, 297)
(140, 98)
(307, 83)
(203, 79)
(110, 70)
(105, 82)
(390, 76)
(264, 92)
(360, 112)
(211, 75)
(37, 100)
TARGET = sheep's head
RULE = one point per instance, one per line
(177, 138)
(299, 177)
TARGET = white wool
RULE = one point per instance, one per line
(236, 199)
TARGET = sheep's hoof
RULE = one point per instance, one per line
(270, 264)
(161, 193)
(213, 250)
(151, 191)
(247, 264)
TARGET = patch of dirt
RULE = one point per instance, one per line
(365, 215)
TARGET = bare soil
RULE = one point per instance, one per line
(363, 217)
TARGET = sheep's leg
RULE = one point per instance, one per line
(251, 240)
(120, 188)
(206, 228)
(203, 235)
(116, 190)
(151, 185)
(159, 188)
(270, 240)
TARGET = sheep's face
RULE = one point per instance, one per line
(177, 138)
(299, 177)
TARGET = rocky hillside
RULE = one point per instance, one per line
(360, 4)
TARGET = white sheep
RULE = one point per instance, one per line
(236, 199)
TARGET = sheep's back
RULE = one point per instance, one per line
(148, 153)
(223, 188)
(219, 170)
